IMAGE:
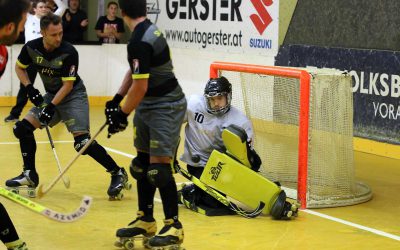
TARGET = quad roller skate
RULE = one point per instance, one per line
(27, 180)
(170, 237)
(290, 210)
(17, 245)
(284, 210)
(186, 196)
(119, 180)
(140, 229)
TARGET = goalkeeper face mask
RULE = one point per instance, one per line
(218, 95)
(218, 104)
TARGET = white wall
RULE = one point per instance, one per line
(102, 68)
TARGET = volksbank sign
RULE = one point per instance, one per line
(249, 26)
(376, 84)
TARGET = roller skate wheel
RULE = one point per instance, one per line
(128, 186)
(14, 190)
(129, 244)
(169, 247)
(145, 242)
(118, 243)
(289, 214)
(295, 209)
(116, 197)
(32, 193)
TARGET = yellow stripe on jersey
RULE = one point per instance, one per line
(71, 78)
(140, 76)
(22, 65)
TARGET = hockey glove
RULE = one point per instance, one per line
(117, 122)
(47, 113)
(112, 105)
(34, 95)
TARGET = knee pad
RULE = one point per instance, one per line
(23, 129)
(159, 174)
(139, 166)
(80, 142)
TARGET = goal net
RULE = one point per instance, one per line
(303, 122)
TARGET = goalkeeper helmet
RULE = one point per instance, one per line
(216, 87)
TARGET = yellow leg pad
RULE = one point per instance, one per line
(239, 182)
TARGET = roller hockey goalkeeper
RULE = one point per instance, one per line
(232, 174)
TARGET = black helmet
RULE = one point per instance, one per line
(218, 87)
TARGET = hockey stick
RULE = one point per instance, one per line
(220, 197)
(42, 191)
(46, 212)
(65, 178)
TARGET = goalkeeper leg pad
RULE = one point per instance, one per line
(282, 209)
(239, 182)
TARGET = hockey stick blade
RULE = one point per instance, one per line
(65, 178)
(46, 212)
(42, 191)
(209, 190)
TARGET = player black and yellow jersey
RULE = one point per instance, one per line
(149, 58)
(54, 67)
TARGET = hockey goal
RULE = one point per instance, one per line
(303, 122)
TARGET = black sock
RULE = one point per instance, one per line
(146, 192)
(28, 146)
(97, 152)
(7, 229)
(169, 197)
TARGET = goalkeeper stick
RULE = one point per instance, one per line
(220, 197)
(46, 212)
(42, 191)
(65, 178)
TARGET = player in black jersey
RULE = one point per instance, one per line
(65, 100)
(154, 93)
(13, 16)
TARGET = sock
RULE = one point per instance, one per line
(97, 152)
(169, 197)
(28, 147)
(146, 192)
(8, 234)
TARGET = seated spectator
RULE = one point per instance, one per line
(75, 22)
(110, 28)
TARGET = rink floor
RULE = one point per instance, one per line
(371, 225)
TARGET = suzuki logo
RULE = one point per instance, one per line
(263, 19)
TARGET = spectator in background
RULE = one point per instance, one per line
(75, 22)
(58, 7)
(110, 28)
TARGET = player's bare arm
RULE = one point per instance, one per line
(135, 95)
(22, 74)
(63, 92)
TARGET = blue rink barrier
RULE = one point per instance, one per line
(376, 84)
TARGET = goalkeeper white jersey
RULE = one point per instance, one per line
(203, 130)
